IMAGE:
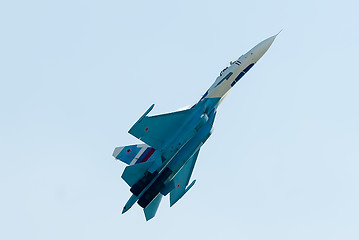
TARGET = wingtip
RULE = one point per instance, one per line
(148, 218)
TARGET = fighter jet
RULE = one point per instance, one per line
(163, 164)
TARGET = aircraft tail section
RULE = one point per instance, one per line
(133, 154)
(132, 174)
(151, 209)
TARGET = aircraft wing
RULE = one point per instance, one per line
(155, 130)
(180, 181)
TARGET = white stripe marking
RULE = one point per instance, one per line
(138, 154)
(117, 151)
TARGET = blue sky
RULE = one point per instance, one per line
(282, 162)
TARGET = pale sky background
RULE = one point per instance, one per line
(283, 160)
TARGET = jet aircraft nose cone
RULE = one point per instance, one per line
(261, 48)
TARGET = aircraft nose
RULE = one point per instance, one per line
(261, 48)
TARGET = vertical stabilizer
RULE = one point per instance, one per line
(134, 154)
(132, 174)
(151, 209)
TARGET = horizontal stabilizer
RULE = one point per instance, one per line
(151, 209)
(133, 173)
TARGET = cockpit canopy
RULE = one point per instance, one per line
(223, 71)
